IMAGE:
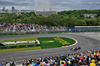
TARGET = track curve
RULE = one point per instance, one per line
(87, 41)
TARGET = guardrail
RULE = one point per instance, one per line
(46, 32)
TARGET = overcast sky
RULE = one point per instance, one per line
(60, 4)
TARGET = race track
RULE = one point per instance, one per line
(87, 41)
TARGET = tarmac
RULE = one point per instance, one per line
(86, 40)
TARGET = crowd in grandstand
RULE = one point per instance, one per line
(19, 27)
(88, 58)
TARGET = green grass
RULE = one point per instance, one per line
(20, 49)
(19, 44)
(45, 42)
(20, 39)
(48, 45)
(71, 41)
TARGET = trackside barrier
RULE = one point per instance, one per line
(18, 46)
(49, 32)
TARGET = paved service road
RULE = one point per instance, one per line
(87, 41)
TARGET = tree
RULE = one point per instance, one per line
(54, 19)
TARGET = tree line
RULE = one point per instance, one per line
(69, 18)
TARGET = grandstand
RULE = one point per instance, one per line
(24, 28)
(88, 58)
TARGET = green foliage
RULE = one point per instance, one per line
(69, 18)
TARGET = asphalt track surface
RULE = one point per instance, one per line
(87, 41)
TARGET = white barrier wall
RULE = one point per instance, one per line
(19, 42)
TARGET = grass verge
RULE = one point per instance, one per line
(46, 42)
(20, 39)
(53, 42)
(19, 49)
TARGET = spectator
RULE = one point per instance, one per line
(77, 59)
(93, 63)
(98, 63)
(18, 27)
